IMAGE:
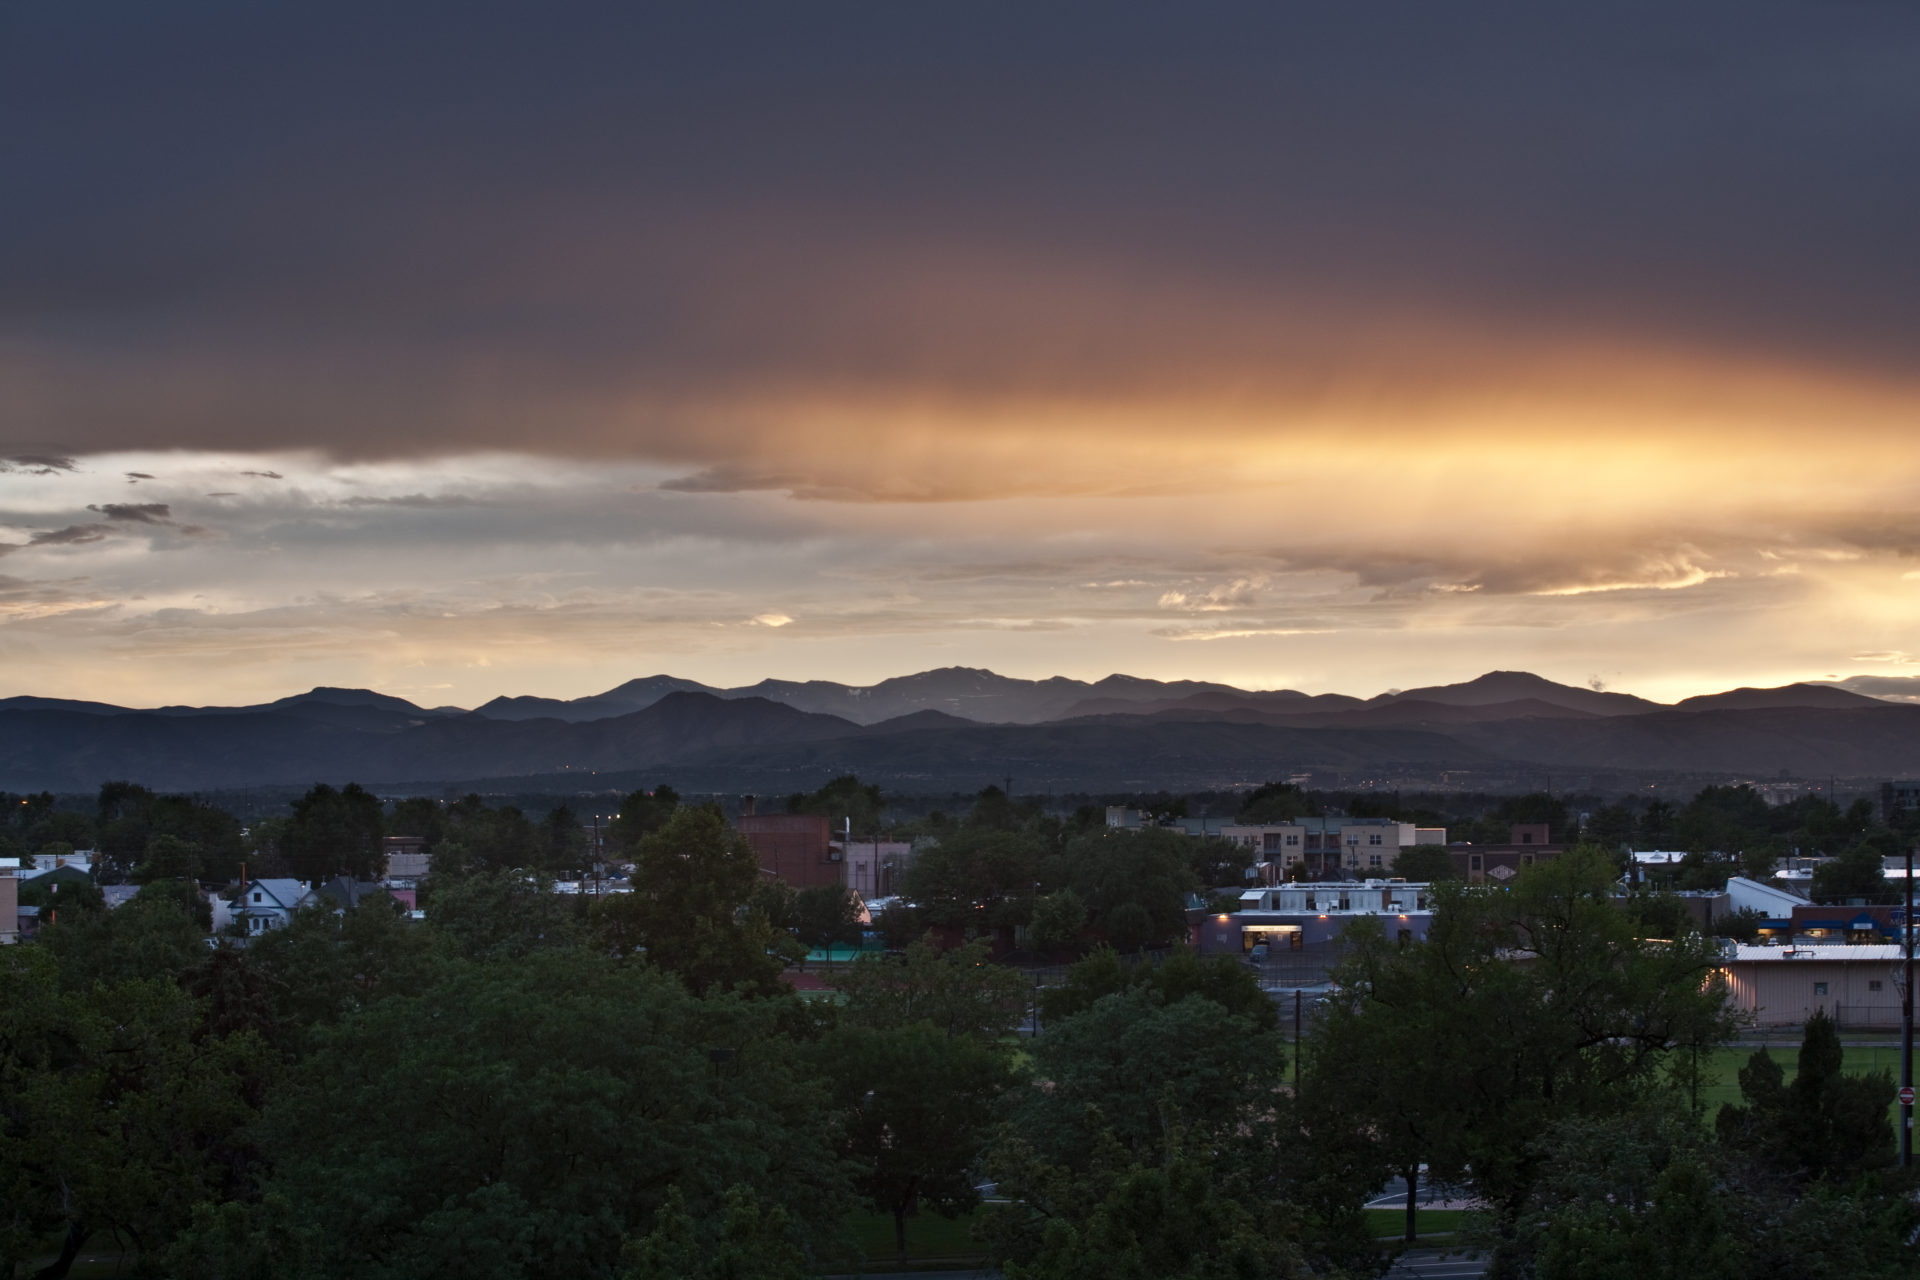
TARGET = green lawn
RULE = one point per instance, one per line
(929, 1236)
(1390, 1224)
(1720, 1070)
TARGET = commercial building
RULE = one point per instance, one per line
(874, 868)
(1856, 986)
(1527, 843)
(1898, 797)
(1294, 917)
(1330, 846)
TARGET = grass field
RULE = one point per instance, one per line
(1389, 1224)
(1720, 1070)
(929, 1236)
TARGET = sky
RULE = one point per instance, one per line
(464, 349)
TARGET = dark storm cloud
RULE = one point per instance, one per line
(72, 535)
(389, 229)
(39, 464)
(135, 512)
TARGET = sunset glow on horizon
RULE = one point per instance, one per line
(1308, 351)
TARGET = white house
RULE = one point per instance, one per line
(269, 904)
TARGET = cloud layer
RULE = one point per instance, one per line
(473, 349)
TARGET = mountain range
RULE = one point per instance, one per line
(956, 728)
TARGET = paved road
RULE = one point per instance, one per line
(1394, 1196)
(1434, 1264)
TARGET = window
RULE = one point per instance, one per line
(256, 897)
(1345, 905)
(1819, 988)
(1874, 985)
(1373, 860)
(1373, 838)
(1473, 861)
(1293, 839)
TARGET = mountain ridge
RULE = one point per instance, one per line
(1200, 736)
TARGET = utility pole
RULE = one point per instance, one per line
(1906, 1029)
(1296, 1042)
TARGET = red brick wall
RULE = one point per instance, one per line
(791, 847)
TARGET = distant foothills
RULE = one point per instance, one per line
(958, 727)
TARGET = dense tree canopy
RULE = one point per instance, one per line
(690, 910)
(530, 1083)
(529, 1118)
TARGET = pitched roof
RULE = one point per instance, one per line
(285, 891)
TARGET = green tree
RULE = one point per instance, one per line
(1722, 820)
(503, 915)
(1058, 919)
(335, 833)
(1275, 802)
(1149, 870)
(841, 801)
(1857, 873)
(417, 816)
(1425, 864)
(916, 1106)
(960, 992)
(1825, 1125)
(751, 1243)
(477, 839)
(1133, 1064)
(1129, 927)
(156, 935)
(641, 814)
(1521, 1008)
(118, 1114)
(689, 911)
(67, 892)
(1637, 1195)
(1656, 826)
(977, 878)
(898, 924)
(563, 841)
(1171, 1218)
(286, 982)
(556, 1101)
(1221, 979)
(169, 858)
(825, 915)
(1610, 826)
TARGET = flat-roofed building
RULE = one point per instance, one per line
(1292, 917)
(1784, 986)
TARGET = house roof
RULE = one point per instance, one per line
(286, 893)
(349, 892)
(68, 874)
(1869, 951)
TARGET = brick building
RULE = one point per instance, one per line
(795, 847)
